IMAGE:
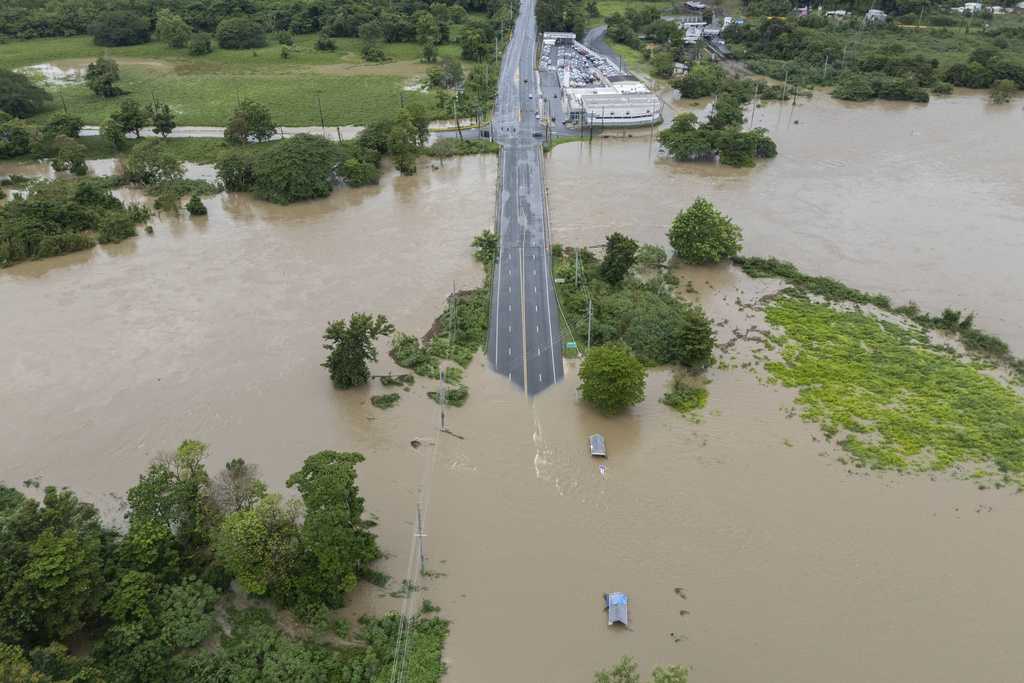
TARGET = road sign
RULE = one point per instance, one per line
(570, 345)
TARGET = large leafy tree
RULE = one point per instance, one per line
(612, 378)
(51, 570)
(702, 234)
(101, 77)
(151, 163)
(619, 257)
(130, 117)
(296, 169)
(261, 546)
(172, 494)
(338, 543)
(162, 118)
(351, 345)
(172, 29)
(19, 96)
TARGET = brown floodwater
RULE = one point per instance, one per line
(920, 202)
(794, 566)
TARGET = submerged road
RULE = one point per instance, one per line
(524, 341)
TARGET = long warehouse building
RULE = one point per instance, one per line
(594, 91)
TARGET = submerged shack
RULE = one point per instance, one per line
(618, 609)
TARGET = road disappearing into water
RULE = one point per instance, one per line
(524, 342)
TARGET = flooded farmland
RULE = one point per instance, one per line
(749, 551)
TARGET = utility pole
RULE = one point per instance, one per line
(323, 126)
(577, 269)
(824, 73)
(420, 536)
(590, 319)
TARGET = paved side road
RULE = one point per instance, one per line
(524, 342)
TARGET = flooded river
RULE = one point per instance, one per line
(923, 203)
(749, 551)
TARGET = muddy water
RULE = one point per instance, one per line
(793, 568)
(921, 202)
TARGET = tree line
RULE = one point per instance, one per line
(144, 595)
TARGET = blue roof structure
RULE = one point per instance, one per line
(618, 608)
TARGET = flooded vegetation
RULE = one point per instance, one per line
(741, 529)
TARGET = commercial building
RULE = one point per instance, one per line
(594, 91)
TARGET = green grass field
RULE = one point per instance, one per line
(203, 90)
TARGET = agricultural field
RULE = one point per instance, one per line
(203, 90)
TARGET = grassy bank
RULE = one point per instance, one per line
(881, 379)
(894, 399)
(203, 90)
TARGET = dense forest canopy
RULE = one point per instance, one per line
(47, 18)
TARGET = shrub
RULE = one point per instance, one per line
(16, 138)
(1003, 91)
(151, 163)
(324, 43)
(684, 397)
(195, 206)
(240, 33)
(385, 401)
(701, 234)
(235, 171)
(64, 124)
(200, 44)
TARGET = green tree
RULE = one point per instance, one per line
(702, 80)
(358, 172)
(101, 77)
(240, 33)
(701, 234)
(195, 206)
(619, 257)
(64, 124)
(19, 96)
(151, 163)
(261, 547)
(324, 43)
(162, 118)
(351, 345)
(52, 571)
(474, 46)
(112, 133)
(250, 121)
(612, 378)
(372, 34)
(173, 493)
(130, 117)
(1003, 91)
(234, 168)
(338, 541)
(120, 27)
(428, 35)
(403, 143)
(16, 138)
(626, 671)
(172, 29)
(200, 44)
(295, 169)
(70, 155)
(663, 63)
(727, 113)
(14, 667)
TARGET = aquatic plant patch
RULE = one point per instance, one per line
(895, 401)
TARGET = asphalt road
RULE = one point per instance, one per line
(524, 342)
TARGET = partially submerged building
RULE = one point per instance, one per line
(594, 90)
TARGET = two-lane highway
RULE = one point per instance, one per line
(525, 341)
